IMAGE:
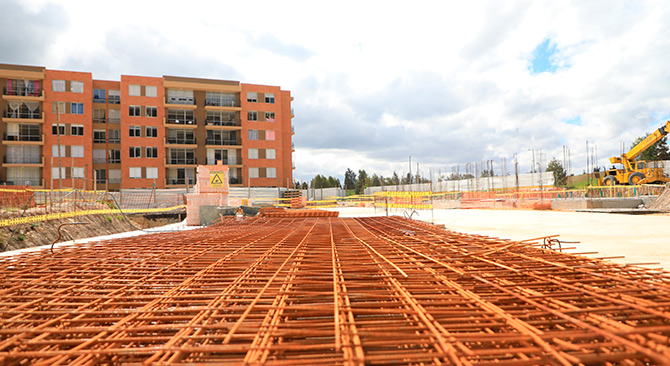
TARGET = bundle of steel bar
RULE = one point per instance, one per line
(308, 291)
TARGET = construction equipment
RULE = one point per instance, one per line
(637, 172)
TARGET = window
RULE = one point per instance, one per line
(135, 90)
(252, 97)
(178, 96)
(180, 116)
(114, 136)
(58, 85)
(99, 136)
(271, 172)
(114, 116)
(58, 106)
(77, 130)
(115, 176)
(270, 153)
(220, 99)
(151, 132)
(253, 172)
(114, 156)
(152, 173)
(269, 98)
(78, 173)
(151, 91)
(134, 111)
(76, 86)
(252, 116)
(99, 156)
(54, 151)
(99, 116)
(270, 116)
(270, 135)
(115, 96)
(77, 151)
(253, 134)
(135, 173)
(135, 152)
(100, 176)
(152, 152)
(77, 108)
(99, 96)
(134, 131)
(55, 175)
(58, 129)
(253, 153)
(151, 112)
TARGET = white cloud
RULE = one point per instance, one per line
(377, 81)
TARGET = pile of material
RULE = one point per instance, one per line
(272, 212)
(328, 291)
(662, 203)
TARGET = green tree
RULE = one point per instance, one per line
(657, 151)
(304, 185)
(362, 181)
(375, 181)
(560, 176)
(349, 179)
(395, 179)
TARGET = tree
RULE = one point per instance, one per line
(375, 181)
(657, 151)
(395, 179)
(486, 173)
(560, 177)
(349, 179)
(304, 185)
(362, 181)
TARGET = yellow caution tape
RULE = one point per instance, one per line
(64, 215)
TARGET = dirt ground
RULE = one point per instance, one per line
(640, 238)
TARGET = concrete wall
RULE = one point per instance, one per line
(477, 184)
(315, 194)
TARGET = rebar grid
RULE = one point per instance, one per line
(291, 291)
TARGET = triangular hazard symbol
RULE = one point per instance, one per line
(216, 179)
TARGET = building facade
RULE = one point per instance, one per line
(63, 129)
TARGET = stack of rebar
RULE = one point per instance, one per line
(321, 291)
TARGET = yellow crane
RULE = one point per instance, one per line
(637, 172)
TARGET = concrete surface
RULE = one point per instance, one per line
(640, 238)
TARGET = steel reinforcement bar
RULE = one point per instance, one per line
(326, 290)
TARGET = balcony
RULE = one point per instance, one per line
(292, 113)
(181, 161)
(114, 99)
(236, 181)
(23, 115)
(179, 181)
(182, 102)
(228, 161)
(102, 120)
(115, 120)
(180, 123)
(222, 142)
(222, 125)
(23, 139)
(292, 130)
(99, 160)
(35, 181)
(292, 146)
(28, 94)
(114, 140)
(27, 161)
(97, 99)
(180, 141)
(114, 180)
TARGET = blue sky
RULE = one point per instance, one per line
(448, 83)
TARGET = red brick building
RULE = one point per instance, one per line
(65, 129)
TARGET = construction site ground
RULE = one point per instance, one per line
(639, 238)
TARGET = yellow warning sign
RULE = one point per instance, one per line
(216, 179)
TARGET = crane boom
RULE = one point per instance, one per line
(643, 145)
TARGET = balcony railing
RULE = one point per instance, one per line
(178, 100)
(22, 159)
(97, 99)
(24, 181)
(99, 160)
(213, 122)
(181, 161)
(99, 141)
(235, 180)
(114, 99)
(100, 120)
(221, 103)
(222, 142)
(23, 114)
(115, 120)
(114, 160)
(228, 161)
(114, 180)
(180, 141)
(22, 137)
(114, 140)
(181, 121)
(292, 146)
(179, 181)
(292, 129)
(23, 92)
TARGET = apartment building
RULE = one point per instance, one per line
(64, 129)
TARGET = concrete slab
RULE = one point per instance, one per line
(640, 238)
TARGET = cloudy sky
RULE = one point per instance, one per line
(445, 82)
